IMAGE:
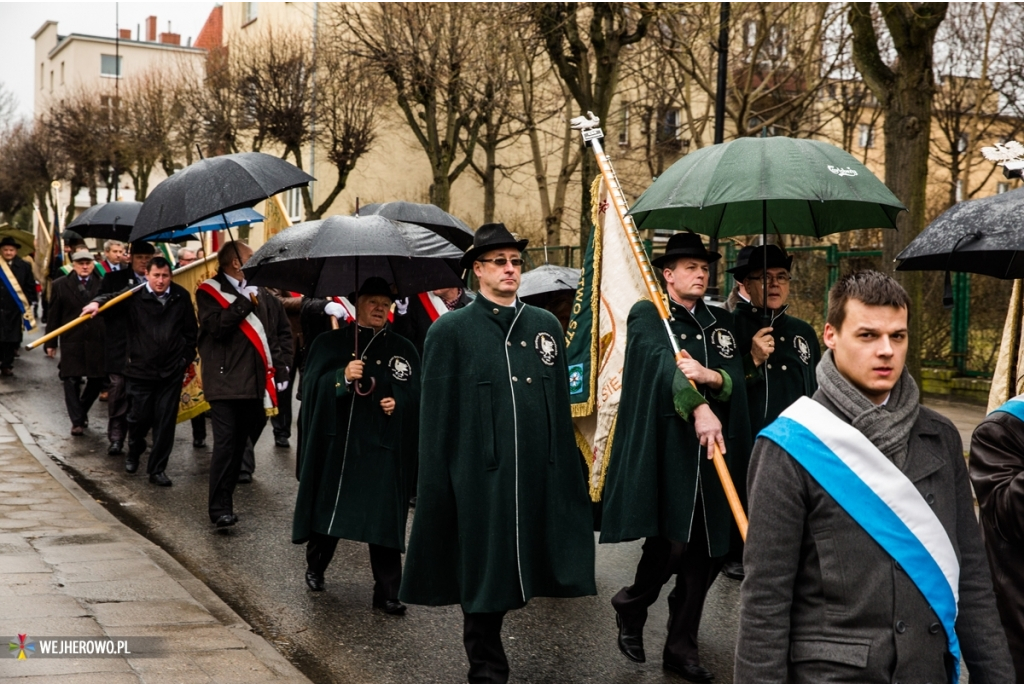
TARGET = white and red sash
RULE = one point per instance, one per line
(253, 329)
(434, 305)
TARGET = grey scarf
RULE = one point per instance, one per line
(887, 427)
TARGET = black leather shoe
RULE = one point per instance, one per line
(632, 646)
(282, 442)
(734, 570)
(244, 478)
(160, 479)
(225, 520)
(198, 444)
(131, 465)
(390, 606)
(116, 448)
(695, 673)
(315, 581)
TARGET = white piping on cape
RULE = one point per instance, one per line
(515, 442)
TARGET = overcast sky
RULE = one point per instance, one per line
(19, 20)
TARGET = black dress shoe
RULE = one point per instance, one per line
(695, 673)
(734, 570)
(225, 520)
(198, 444)
(632, 646)
(116, 448)
(160, 479)
(315, 581)
(244, 478)
(390, 606)
(282, 442)
(131, 465)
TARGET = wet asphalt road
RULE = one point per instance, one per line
(334, 636)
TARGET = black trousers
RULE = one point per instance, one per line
(79, 401)
(385, 562)
(282, 423)
(235, 422)
(198, 427)
(695, 571)
(117, 408)
(7, 350)
(481, 635)
(154, 405)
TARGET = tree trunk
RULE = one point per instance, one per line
(440, 189)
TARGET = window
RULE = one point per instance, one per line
(249, 12)
(51, 80)
(42, 76)
(961, 142)
(866, 136)
(1002, 188)
(669, 125)
(293, 204)
(624, 125)
(109, 103)
(778, 38)
(62, 73)
(110, 65)
(750, 33)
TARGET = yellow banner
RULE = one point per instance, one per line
(193, 401)
(276, 218)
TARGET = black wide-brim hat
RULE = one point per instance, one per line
(490, 237)
(374, 285)
(685, 244)
(777, 259)
(8, 240)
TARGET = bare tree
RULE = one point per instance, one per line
(584, 43)
(430, 54)
(8, 106)
(81, 124)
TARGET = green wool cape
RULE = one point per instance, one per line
(789, 372)
(356, 462)
(657, 464)
(502, 512)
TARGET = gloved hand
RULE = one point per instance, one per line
(250, 291)
(282, 386)
(402, 306)
(336, 310)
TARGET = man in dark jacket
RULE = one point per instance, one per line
(502, 508)
(242, 353)
(864, 561)
(116, 322)
(361, 421)
(416, 314)
(661, 484)
(160, 345)
(17, 297)
(997, 472)
(82, 346)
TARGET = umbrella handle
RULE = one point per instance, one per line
(363, 393)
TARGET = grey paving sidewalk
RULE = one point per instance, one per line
(69, 568)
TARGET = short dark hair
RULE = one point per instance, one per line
(873, 288)
(157, 262)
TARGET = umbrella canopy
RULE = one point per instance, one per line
(755, 185)
(427, 216)
(110, 220)
(235, 217)
(977, 236)
(26, 241)
(548, 279)
(333, 256)
(215, 185)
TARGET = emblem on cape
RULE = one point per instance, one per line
(802, 349)
(547, 348)
(724, 342)
(400, 369)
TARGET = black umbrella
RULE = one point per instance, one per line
(333, 256)
(427, 216)
(111, 220)
(548, 279)
(215, 185)
(976, 236)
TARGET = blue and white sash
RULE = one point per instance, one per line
(880, 498)
(9, 281)
(1014, 406)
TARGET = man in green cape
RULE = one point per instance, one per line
(502, 511)
(359, 426)
(661, 484)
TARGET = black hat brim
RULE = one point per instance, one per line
(705, 255)
(741, 272)
(474, 252)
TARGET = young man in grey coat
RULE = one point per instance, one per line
(864, 560)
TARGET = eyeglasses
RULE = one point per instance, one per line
(780, 279)
(502, 261)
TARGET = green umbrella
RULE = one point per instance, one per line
(792, 185)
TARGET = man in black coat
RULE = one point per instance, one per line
(117, 340)
(14, 304)
(160, 344)
(246, 351)
(82, 346)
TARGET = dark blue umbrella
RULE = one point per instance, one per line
(236, 217)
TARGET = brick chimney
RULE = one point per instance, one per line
(170, 38)
(125, 34)
(151, 29)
